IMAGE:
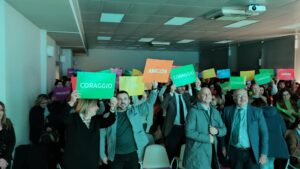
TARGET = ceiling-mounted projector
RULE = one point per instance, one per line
(257, 8)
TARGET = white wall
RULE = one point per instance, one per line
(99, 59)
(51, 64)
(2, 53)
(22, 67)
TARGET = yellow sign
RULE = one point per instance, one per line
(249, 75)
(136, 72)
(134, 85)
(209, 73)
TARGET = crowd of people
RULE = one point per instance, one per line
(250, 128)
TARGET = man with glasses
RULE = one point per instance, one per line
(247, 138)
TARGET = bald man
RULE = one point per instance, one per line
(203, 125)
(247, 138)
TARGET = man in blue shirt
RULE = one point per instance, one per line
(247, 138)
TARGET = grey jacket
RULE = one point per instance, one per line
(198, 150)
(108, 135)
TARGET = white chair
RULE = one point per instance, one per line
(182, 149)
(289, 165)
(155, 157)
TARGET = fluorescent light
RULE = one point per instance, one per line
(146, 39)
(185, 41)
(178, 21)
(241, 23)
(224, 41)
(156, 43)
(293, 26)
(111, 17)
(103, 38)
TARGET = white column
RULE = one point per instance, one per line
(43, 61)
(66, 60)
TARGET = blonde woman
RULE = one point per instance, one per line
(82, 132)
(7, 139)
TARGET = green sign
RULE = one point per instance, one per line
(267, 71)
(183, 75)
(237, 82)
(261, 78)
(96, 85)
(106, 71)
(225, 86)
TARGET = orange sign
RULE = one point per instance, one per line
(157, 70)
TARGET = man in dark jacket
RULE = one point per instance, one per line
(247, 139)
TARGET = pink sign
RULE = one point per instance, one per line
(285, 74)
(119, 72)
(73, 82)
(61, 93)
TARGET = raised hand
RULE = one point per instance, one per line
(113, 104)
(173, 88)
(154, 85)
(198, 82)
(74, 96)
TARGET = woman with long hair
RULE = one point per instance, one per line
(82, 132)
(287, 107)
(7, 139)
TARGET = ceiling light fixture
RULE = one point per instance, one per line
(178, 21)
(111, 17)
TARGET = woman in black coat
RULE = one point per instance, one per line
(7, 139)
(82, 132)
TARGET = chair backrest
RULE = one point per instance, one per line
(182, 149)
(156, 157)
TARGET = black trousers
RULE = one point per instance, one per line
(174, 141)
(242, 159)
(125, 161)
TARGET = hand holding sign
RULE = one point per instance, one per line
(173, 88)
(198, 83)
(74, 96)
(113, 104)
(154, 85)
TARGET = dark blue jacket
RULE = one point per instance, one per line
(276, 128)
(257, 130)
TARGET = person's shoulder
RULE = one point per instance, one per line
(256, 109)
(228, 108)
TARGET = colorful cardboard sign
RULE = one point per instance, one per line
(183, 75)
(136, 72)
(249, 75)
(223, 73)
(237, 82)
(74, 82)
(61, 93)
(70, 72)
(262, 78)
(267, 71)
(157, 70)
(225, 86)
(118, 72)
(96, 85)
(209, 73)
(134, 85)
(285, 74)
